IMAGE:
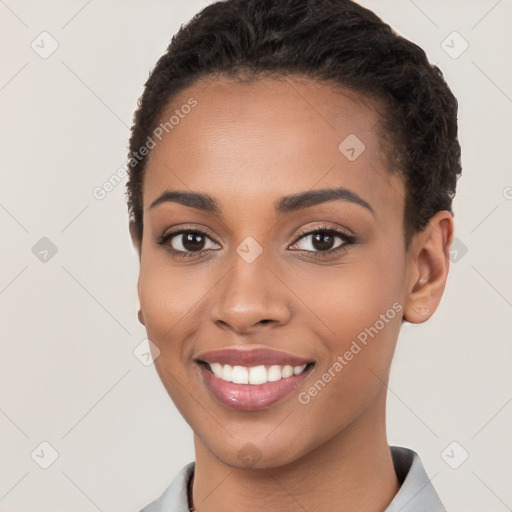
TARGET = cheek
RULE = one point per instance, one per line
(361, 307)
(167, 299)
(350, 298)
(167, 294)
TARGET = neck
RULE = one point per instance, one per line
(352, 471)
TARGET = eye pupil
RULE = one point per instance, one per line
(193, 241)
(323, 241)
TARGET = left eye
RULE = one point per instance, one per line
(321, 240)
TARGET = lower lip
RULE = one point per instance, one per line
(249, 397)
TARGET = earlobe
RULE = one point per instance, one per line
(141, 317)
(428, 265)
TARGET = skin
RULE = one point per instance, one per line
(248, 145)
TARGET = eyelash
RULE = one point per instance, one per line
(345, 237)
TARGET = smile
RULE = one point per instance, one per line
(254, 375)
(251, 380)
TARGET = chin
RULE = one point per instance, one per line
(249, 457)
(258, 454)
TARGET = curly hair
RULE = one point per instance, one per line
(333, 41)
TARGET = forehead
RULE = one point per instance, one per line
(270, 138)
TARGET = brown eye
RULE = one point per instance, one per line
(187, 242)
(321, 240)
(190, 241)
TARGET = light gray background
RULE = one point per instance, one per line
(68, 375)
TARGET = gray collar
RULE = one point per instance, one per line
(416, 493)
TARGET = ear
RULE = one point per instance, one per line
(428, 262)
(136, 237)
(137, 243)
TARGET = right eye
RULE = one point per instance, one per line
(187, 242)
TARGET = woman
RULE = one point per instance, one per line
(292, 168)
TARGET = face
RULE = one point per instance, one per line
(275, 297)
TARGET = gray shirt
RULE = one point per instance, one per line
(416, 493)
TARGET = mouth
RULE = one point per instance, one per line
(252, 380)
(253, 375)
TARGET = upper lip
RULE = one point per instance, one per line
(251, 357)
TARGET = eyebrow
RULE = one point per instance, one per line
(286, 204)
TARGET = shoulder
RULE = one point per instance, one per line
(174, 498)
(416, 494)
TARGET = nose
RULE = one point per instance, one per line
(250, 297)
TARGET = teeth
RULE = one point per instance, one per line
(274, 373)
(254, 374)
(299, 369)
(287, 372)
(240, 375)
(227, 371)
(216, 368)
(257, 375)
